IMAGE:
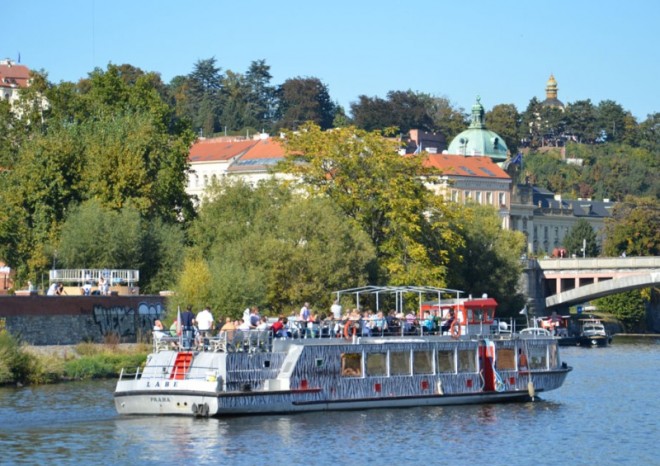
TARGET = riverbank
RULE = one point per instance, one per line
(22, 364)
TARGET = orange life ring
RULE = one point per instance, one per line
(347, 326)
(455, 330)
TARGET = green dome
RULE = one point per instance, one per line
(478, 140)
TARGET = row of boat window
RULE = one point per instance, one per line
(393, 363)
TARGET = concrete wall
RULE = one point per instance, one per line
(69, 320)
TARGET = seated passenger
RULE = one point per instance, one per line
(158, 330)
(448, 323)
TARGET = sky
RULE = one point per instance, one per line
(502, 51)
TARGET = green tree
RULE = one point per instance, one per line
(575, 239)
(634, 228)
(488, 262)
(304, 99)
(505, 121)
(266, 246)
(581, 121)
(448, 119)
(628, 307)
(380, 190)
(649, 133)
(404, 110)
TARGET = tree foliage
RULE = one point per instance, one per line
(112, 138)
(267, 246)
(634, 228)
(304, 99)
(362, 173)
(488, 261)
(628, 307)
(574, 240)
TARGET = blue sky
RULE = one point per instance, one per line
(503, 51)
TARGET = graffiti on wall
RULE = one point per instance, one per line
(125, 321)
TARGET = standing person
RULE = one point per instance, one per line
(305, 315)
(204, 323)
(103, 285)
(187, 325)
(254, 317)
(335, 309)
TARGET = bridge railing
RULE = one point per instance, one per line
(81, 276)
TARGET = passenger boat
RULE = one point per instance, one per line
(326, 369)
(593, 333)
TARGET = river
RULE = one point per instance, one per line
(607, 412)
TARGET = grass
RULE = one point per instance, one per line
(24, 365)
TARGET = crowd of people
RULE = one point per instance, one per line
(196, 330)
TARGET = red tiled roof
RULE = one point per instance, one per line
(18, 75)
(213, 150)
(265, 149)
(458, 165)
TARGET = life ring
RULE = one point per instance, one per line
(455, 330)
(347, 326)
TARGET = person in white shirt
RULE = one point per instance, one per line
(52, 289)
(335, 309)
(204, 321)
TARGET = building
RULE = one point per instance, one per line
(478, 139)
(551, 99)
(545, 218)
(472, 179)
(13, 77)
(210, 159)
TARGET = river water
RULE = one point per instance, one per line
(607, 412)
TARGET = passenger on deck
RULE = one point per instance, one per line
(159, 330)
(60, 289)
(278, 327)
(263, 324)
(448, 323)
(428, 322)
(52, 289)
(188, 327)
(254, 317)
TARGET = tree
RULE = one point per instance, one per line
(362, 173)
(404, 110)
(612, 121)
(581, 121)
(634, 228)
(304, 99)
(262, 94)
(488, 261)
(267, 246)
(505, 121)
(628, 307)
(577, 236)
(199, 95)
(448, 119)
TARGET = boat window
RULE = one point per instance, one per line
(506, 359)
(467, 360)
(351, 364)
(376, 364)
(400, 363)
(446, 361)
(422, 362)
(537, 357)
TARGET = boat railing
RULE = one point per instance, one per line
(235, 340)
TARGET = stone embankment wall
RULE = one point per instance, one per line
(69, 320)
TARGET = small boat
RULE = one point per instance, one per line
(246, 373)
(593, 333)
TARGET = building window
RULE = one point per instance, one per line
(454, 195)
(502, 198)
(467, 195)
(489, 198)
(478, 198)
